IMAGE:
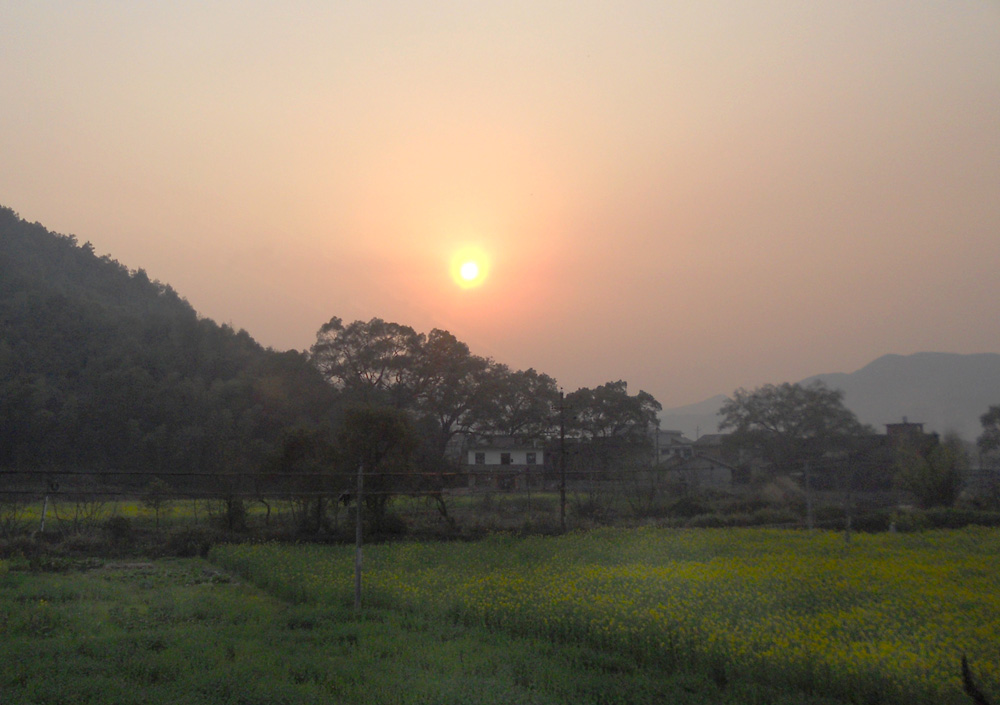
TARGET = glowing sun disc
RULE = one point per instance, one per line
(469, 267)
(469, 271)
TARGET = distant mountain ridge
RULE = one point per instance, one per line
(944, 391)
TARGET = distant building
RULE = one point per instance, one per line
(671, 446)
(505, 463)
(704, 464)
(906, 433)
(699, 473)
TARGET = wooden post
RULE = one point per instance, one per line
(809, 504)
(562, 462)
(358, 537)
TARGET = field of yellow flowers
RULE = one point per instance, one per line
(884, 618)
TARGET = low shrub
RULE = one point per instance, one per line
(119, 529)
(711, 521)
(191, 542)
(952, 518)
(773, 516)
(871, 522)
(829, 513)
(593, 509)
(689, 507)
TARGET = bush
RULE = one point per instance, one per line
(688, 507)
(829, 513)
(770, 516)
(594, 510)
(949, 518)
(710, 521)
(191, 542)
(872, 522)
(84, 544)
(119, 529)
(908, 521)
(391, 525)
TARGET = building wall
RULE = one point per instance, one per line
(518, 456)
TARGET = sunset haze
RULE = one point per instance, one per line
(688, 196)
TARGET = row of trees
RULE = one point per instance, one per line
(436, 377)
(797, 428)
(443, 392)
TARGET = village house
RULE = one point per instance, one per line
(692, 466)
(671, 446)
(505, 463)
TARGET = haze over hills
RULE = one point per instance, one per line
(944, 391)
(76, 325)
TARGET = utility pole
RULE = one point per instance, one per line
(809, 504)
(562, 461)
(358, 537)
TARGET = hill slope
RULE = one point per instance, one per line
(103, 369)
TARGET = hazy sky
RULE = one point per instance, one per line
(690, 196)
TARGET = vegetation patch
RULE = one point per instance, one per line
(175, 631)
(884, 618)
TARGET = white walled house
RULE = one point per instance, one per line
(505, 463)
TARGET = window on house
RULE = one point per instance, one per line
(480, 458)
(530, 459)
(505, 458)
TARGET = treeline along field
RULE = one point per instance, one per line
(886, 618)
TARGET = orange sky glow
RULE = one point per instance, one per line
(689, 196)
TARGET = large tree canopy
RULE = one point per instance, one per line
(609, 411)
(376, 362)
(451, 381)
(519, 403)
(373, 362)
(788, 424)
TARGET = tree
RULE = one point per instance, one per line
(379, 442)
(989, 440)
(303, 467)
(788, 425)
(372, 363)
(932, 470)
(520, 404)
(157, 497)
(451, 383)
(611, 431)
(608, 411)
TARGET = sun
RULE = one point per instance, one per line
(469, 267)
(469, 271)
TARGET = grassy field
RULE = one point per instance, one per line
(181, 632)
(609, 616)
(883, 619)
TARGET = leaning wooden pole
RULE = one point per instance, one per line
(358, 536)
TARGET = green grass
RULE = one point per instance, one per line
(180, 631)
(884, 619)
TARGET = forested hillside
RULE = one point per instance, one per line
(102, 369)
